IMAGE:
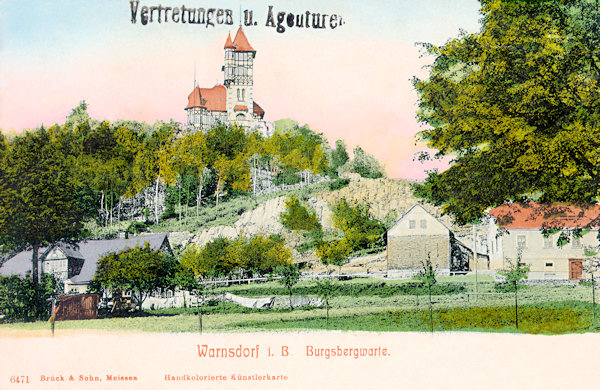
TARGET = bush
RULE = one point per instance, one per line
(18, 298)
(136, 227)
(288, 177)
(338, 184)
(297, 217)
(380, 289)
(311, 240)
(222, 257)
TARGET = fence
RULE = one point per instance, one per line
(78, 307)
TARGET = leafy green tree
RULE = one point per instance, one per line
(360, 229)
(365, 164)
(334, 252)
(140, 270)
(297, 217)
(21, 299)
(339, 156)
(591, 265)
(38, 195)
(516, 272)
(264, 254)
(290, 275)
(325, 291)
(427, 277)
(516, 106)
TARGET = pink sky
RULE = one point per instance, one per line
(350, 84)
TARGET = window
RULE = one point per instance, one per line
(423, 224)
(521, 242)
(549, 264)
(241, 95)
(412, 224)
(548, 242)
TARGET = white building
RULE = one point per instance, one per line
(532, 232)
(234, 101)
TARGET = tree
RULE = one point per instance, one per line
(427, 277)
(516, 272)
(365, 164)
(297, 217)
(325, 290)
(591, 265)
(290, 274)
(140, 270)
(516, 106)
(339, 156)
(38, 195)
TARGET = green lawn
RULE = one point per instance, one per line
(551, 318)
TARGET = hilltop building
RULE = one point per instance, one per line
(232, 102)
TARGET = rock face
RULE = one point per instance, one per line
(179, 239)
(382, 195)
(322, 210)
(264, 219)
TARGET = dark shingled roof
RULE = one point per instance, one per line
(91, 251)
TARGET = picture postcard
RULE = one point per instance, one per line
(275, 194)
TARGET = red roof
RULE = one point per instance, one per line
(241, 42)
(240, 108)
(258, 111)
(228, 43)
(539, 216)
(194, 99)
(213, 99)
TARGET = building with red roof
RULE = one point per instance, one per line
(229, 103)
(549, 238)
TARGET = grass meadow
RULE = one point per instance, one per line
(365, 304)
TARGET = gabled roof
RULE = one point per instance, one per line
(195, 99)
(240, 43)
(419, 206)
(213, 99)
(228, 43)
(258, 111)
(91, 251)
(544, 216)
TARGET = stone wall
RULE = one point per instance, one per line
(411, 252)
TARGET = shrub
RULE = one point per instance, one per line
(288, 176)
(297, 217)
(338, 184)
(221, 257)
(18, 298)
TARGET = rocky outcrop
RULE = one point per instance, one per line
(382, 195)
(263, 219)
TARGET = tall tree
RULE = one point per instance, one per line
(517, 106)
(140, 270)
(38, 201)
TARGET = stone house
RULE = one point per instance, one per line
(417, 236)
(76, 265)
(533, 232)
